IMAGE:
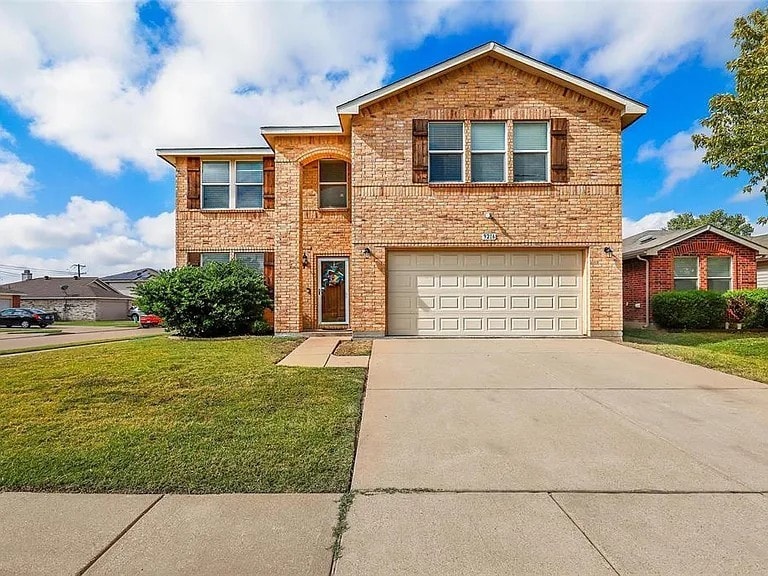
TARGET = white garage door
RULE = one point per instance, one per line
(485, 293)
(5, 303)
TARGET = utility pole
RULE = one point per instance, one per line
(80, 268)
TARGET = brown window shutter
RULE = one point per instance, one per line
(559, 167)
(269, 182)
(420, 151)
(269, 271)
(193, 258)
(193, 183)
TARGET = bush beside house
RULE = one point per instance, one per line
(689, 309)
(748, 307)
(218, 299)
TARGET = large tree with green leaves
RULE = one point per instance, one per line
(734, 223)
(738, 122)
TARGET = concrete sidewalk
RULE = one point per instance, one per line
(317, 352)
(83, 335)
(177, 535)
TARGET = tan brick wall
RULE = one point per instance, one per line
(389, 210)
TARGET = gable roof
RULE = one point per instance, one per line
(650, 242)
(763, 241)
(631, 109)
(50, 287)
(131, 275)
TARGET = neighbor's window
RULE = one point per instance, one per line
(446, 152)
(233, 184)
(531, 151)
(208, 257)
(253, 260)
(489, 152)
(333, 184)
(686, 273)
(719, 273)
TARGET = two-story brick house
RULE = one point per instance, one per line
(481, 196)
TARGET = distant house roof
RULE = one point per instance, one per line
(763, 241)
(131, 275)
(649, 243)
(50, 287)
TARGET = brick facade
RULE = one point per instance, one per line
(661, 270)
(388, 211)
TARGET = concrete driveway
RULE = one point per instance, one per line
(555, 457)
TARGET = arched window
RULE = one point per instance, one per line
(334, 184)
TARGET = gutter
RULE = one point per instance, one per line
(647, 291)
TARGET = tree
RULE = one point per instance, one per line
(738, 122)
(212, 300)
(734, 223)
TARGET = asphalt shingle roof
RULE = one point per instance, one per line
(83, 287)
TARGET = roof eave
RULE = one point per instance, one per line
(171, 154)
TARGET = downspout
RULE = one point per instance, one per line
(647, 291)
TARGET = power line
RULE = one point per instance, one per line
(22, 268)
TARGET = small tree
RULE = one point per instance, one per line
(212, 300)
(739, 121)
(734, 223)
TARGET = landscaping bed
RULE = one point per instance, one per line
(354, 348)
(165, 415)
(735, 352)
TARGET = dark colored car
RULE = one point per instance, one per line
(25, 317)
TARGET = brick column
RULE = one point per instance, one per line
(287, 246)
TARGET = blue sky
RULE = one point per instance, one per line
(83, 106)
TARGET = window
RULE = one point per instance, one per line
(531, 151)
(208, 257)
(686, 273)
(333, 184)
(233, 184)
(253, 260)
(489, 152)
(446, 152)
(718, 273)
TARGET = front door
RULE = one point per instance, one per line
(332, 282)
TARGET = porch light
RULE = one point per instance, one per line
(608, 250)
(366, 252)
(305, 260)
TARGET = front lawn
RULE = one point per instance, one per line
(164, 415)
(740, 353)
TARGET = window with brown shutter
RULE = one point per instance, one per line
(193, 183)
(559, 135)
(193, 258)
(269, 182)
(420, 151)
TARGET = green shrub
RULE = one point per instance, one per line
(695, 309)
(205, 301)
(749, 307)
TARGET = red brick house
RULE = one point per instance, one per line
(478, 197)
(704, 258)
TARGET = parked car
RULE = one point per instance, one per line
(26, 317)
(149, 320)
(134, 313)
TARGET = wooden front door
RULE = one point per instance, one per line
(332, 283)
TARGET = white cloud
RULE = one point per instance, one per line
(653, 221)
(677, 155)
(89, 232)
(15, 175)
(225, 69)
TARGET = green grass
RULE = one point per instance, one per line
(97, 323)
(740, 353)
(165, 415)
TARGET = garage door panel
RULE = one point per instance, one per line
(485, 293)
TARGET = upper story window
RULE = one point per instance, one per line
(333, 184)
(531, 151)
(719, 273)
(686, 273)
(489, 152)
(446, 152)
(233, 184)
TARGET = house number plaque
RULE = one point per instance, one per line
(489, 236)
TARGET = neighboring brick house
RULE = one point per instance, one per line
(481, 196)
(703, 258)
(762, 262)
